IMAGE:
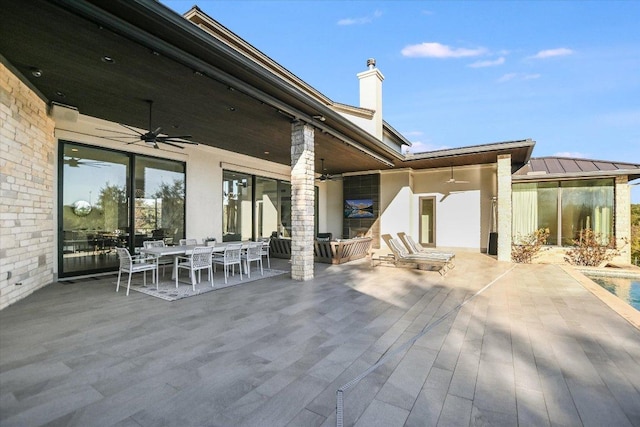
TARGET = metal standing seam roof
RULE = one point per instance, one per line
(558, 167)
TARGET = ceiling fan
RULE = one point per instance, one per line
(75, 162)
(452, 180)
(325, 176)
(152, 137)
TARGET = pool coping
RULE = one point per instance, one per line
(623, 309)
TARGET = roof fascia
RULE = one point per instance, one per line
(222, 33)
(392, 131)
(632, 174)
(476, 149)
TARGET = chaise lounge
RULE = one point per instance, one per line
(400, 257)
(414, 248)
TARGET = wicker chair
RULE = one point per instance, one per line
(199, 259)
(231, 257)
(135, 264)
(253, 253)
(163, 260)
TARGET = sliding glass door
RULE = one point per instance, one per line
(95, 214)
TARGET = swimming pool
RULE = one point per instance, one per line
(627, 289)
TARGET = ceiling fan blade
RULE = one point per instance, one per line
(171, 144)
(115, 131)
(180, 141)
(175, 136)
(131, 129)
(121, 138)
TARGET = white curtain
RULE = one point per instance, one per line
(525, 210)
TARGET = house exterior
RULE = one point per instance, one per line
(567, 195)
(83, 170)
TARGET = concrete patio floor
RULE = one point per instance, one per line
(535, 348)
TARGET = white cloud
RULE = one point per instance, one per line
(360, 21)
(517, 76)
(549, 53)
(573, 154)
(437, 50)
(488, 63)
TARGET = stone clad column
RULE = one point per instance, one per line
(504, 207)
(302, 200)
(622, 218)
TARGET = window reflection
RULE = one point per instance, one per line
(94, 208)
(95, 211)
(159, 202)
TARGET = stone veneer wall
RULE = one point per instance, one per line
(362, 187)
(27, 146)
(622, 219)
(302, 201)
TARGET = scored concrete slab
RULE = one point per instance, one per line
(535, 348)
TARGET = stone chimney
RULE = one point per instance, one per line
(371, 95)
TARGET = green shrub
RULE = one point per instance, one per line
(527, 247)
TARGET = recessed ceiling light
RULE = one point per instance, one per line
(108, 59)
(36, 72)
(232, 108)
(266, 152)
(60, 94)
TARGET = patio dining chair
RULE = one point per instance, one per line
(253, 253)
(199, 259)
(231, 257)
(135, 264)
(162, 260)
(266, 246)
(188, 242)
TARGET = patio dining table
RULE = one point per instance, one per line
(183, 250)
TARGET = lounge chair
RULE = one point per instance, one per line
(400, 257)
(414, 248)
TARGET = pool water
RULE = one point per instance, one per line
(626, 289)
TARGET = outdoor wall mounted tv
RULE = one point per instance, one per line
(362, 208)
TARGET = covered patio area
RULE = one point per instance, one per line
(534, 348)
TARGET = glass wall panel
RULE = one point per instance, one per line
(237, 206)
(95, 214)
(267, 206)
(583, 204)
(94, 209)
(159, 200)
(548, 210)
(587, 204)
(285, 209)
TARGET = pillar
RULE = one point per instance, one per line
(302, 200)
(622, 218)
(504, 207)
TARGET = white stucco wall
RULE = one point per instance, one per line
(462, 209)
(396, 202)
(330, 209)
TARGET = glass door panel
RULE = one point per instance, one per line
(237, 204)
(427, 221)
(94, 209)
(159, 201)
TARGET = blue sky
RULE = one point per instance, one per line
(563, 73)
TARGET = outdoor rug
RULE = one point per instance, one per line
(167, 287)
